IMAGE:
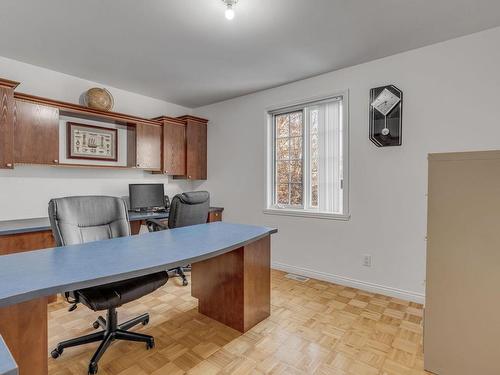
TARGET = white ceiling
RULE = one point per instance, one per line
(186, 52)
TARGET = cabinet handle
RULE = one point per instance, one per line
(9, 165)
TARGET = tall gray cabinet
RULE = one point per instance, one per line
(462, 313)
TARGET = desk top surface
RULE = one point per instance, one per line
(38, 224)
(41, 224)
(7, 364)
(34, 274)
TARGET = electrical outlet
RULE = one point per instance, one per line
(367, 260)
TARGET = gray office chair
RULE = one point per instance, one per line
(185, 209)
(76, 220)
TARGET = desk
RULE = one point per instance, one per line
(42, 224)
(7, 364)
(33, 234)
(137, 218)
(230, 277)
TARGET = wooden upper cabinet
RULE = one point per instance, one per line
(36, 134)
(7, 106)
(196, 147)
(174, 147)
(148, 146)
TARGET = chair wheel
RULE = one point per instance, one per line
(93, 368)
(96, 324)
(145, 322)
(184, 282)
(150, 344)
(56, 353)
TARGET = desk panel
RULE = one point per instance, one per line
(235, 288)
(7, 364)
(24, 329)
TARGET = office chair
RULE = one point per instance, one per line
(185, 209)
(76, 220)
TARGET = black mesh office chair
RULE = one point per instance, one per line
(76, 220)
(185, 209)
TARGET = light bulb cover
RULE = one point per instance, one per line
(229, 8)
(229, 12)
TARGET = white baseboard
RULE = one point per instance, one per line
(353, 283)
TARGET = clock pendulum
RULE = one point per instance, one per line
(385, 131)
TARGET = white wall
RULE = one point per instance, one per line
(451, 103)
(54, 85)
(26, 190)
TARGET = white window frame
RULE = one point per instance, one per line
(306, 210)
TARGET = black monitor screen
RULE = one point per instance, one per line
(143, 196)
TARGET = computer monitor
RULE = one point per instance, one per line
(146, 196)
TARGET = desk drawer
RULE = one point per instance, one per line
(17, 243)
(214, 216)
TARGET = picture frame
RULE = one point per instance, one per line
(91, 142)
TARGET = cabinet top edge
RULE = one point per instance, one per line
(79, 109)
(8, 83)
(193, 118)
(170, 120)
(467, 155)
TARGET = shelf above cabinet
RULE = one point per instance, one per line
(77, 110)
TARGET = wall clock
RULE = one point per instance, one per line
(386, 114)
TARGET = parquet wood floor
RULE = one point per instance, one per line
(315, 328)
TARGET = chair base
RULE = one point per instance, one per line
(179, 271)
(112, 331)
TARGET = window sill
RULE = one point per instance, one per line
(305, 213)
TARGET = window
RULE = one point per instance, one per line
(308, 159)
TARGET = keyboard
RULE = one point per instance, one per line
(148, 214)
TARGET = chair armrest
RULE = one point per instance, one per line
(155, 225)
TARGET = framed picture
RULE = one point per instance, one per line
(91, 142)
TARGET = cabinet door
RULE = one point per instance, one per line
(36, 134)
(196, 153)
(6, 127)
(214, 216)
(174, 149)
(148, 147)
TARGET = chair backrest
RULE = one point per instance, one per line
(189, 209)
(76, 220)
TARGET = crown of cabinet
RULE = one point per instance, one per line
(89, 113)
(7, 83)
(169, 120)
(182, 120)
(193, 119)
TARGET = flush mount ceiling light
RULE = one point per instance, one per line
(229, 8)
